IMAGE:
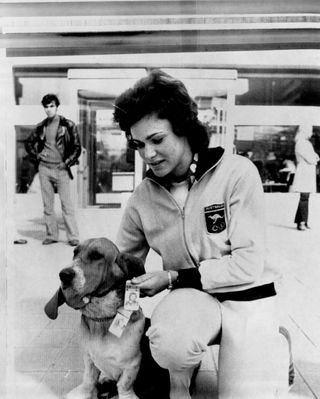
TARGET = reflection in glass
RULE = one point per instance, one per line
(114, 161)
(271, 149)
(25, 169)
(213, 114)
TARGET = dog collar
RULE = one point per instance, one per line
(121, 311)
(99, 319)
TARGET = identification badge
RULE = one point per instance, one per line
(119, 324)
(131, 297)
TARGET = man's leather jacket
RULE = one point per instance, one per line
(68, 142)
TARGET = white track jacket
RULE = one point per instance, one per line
(220, 231)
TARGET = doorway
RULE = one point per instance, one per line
(111, 166)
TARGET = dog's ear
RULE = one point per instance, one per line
(130, 265)
(51, 308)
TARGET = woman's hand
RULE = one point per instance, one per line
(152, 283)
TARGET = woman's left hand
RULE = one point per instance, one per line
(151, 283)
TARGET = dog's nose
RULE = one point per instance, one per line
(66, 275)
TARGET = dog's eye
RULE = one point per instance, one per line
(76, 251)
(95, 255)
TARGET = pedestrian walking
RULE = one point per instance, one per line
(54, 146)
(304, 180)
(201, 210)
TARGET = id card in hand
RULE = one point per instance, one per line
(131, 297)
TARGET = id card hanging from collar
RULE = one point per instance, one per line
(119, 323)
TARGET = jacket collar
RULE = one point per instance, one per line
(207, 159)
(62, 121)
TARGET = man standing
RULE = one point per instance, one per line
(55, 146)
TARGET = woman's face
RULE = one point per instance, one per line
(163, 151)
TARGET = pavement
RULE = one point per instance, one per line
(42, 356)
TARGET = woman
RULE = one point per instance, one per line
(201, 210)
(305, 177)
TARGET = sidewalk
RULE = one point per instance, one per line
(43, 355)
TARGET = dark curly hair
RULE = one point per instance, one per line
(166, 97)
(49, 98)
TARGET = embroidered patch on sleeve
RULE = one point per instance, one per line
(215, 218)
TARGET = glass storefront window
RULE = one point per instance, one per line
(114, 165)
(29, 90)
(270, 90)
(213, 114)
(111, 168)
(271, 149)
(25, 169)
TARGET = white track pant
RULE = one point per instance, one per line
(253, 357)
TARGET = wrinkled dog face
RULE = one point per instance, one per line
(93, 265)
(97, 269)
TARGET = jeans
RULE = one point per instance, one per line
(49, 177)
(303, 209)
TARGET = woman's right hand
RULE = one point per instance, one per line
(151, 284)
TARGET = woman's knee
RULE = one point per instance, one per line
(189, 309)
(182, 325)
(173, 350)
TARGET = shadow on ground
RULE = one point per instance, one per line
(38, 233)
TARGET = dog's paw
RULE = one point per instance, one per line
(128, 395)
(82, 392)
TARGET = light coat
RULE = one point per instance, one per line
(305, 176)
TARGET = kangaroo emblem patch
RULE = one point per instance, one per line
(215, 218)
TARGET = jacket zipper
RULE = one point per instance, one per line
(182, 214)
(185, 239)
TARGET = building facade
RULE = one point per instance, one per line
(253, 69)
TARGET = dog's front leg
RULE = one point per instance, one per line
(125, 383)
(88, 388)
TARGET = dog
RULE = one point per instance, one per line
(95, 283)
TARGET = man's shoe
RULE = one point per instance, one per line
(20, 241)
(73, 243)
(48, 241)
(301, 226)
